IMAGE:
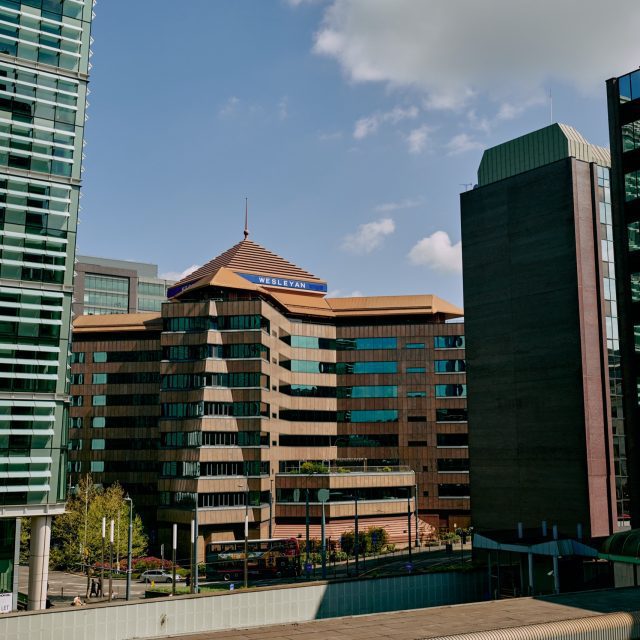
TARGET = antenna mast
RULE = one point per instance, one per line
(246, 218)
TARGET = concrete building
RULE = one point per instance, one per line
(624, 132)
(545, 404)
(44, 65)
(260, 373)
(106, 286)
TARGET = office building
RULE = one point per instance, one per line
(106, 286)
(44, 65)
(623, 96)
(545, 408)
(260, 372)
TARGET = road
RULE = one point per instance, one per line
(64, 587)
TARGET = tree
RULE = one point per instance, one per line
(76, 535)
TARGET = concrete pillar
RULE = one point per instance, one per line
(531, 585)
(16, 565)
(39, 562)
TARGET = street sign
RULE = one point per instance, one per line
(308, 567)
(323, 495)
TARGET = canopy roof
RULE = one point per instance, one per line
(623, 546)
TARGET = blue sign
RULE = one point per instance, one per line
(174, 291)
(284, 283)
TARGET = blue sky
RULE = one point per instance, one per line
(351, 125)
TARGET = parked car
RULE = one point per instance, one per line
(158, 575)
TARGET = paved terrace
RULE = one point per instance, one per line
(419, 624)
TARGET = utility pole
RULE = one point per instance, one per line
(129, 546)
(111, 561)
(173, 558)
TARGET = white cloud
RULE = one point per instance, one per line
(407, 203)
(325, 136)
(370, 124)
(417, 139)
(230, 107)
(461, 144)
(339, 293)
(437, 252)
(506, 48)
(283, 108)
(175, 275)
(369, 236)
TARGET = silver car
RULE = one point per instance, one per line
(156, 575)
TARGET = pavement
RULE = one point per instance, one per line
(434, 622)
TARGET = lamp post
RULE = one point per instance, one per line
(271, 511)
(173, 558)
(323, 496)
(246, 537)
(356, 542)
(415, 504)
(193, 535)
(111, 560)
(129, 546)
(306, 522)
(196, 575)
(409, 520)
(104, 535)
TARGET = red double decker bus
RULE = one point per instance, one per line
(269, 557)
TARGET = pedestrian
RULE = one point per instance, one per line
(94, 589)
(187, 580)
(100, 592)
(77, 602)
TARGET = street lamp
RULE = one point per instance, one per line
(246, 533)
(409, 520)
(111, 560)
(129, 545)
(104, 535)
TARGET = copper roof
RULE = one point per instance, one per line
(392, 305)
(118, 322)
(249, 257)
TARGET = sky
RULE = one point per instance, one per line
(351, 126)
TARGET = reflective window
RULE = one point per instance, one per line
(97, 466)
(451, 391)
(367, 367)
(98, 422)
(631, 136)
(389, 391)
(635, 287)
(97, 444)
(449, 366)
(633, 230)
(416, 369)
(357, 344)
(308, 390)
(414, 345)
(382, 415)
(309, 342)
(449, 342)
(309, 366)
(451, 415)
(99, 378)
(631, 185)
(416, 394)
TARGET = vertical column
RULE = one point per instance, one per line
(39, 562)
(16, 565)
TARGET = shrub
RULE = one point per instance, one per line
(313, 467)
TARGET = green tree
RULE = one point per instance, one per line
(76, 535)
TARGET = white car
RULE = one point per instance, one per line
(157, 575)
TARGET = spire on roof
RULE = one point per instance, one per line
(246, 218)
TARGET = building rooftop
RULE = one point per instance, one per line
(118, 322)
(536, 149)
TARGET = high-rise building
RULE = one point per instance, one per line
(545, 407)
(259, 373)
(623, 96)
(107, 286)
(44, 65)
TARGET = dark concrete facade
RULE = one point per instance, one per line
(540, 437)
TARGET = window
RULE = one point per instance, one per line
(308, 390)
(633, 230)
(635, 287)
(416, 370)
(301, 415)
(97, 466)
(449, 366)
(366, 415)
(390, 391)
(453, 465)
(97, 444)
(449, 342)
(631, 185)
(357, 344)
(416, 418)
(451, 415)
(99, 356)
(76, 401)
(76, 423)
(99, 401)
(414, 345)
(452, 440)
(309, 342)
(451, 391)
(416, 394)
(77, 357)
(99, 378)
(308, 366)
(98, 422)
(453, 490)
(367, 367)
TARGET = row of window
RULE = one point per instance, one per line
(151, 289)
(297, 496)
(230, 380)
(116, 444)
(137, 377)
(213, 469)
(358, 344)
(227, 409)
(178, 353)
(123, 399)
(113, 422)
(52, 9)
(217, 323)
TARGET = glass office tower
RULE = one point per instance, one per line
(44, 65)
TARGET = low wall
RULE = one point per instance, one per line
(237, 609)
